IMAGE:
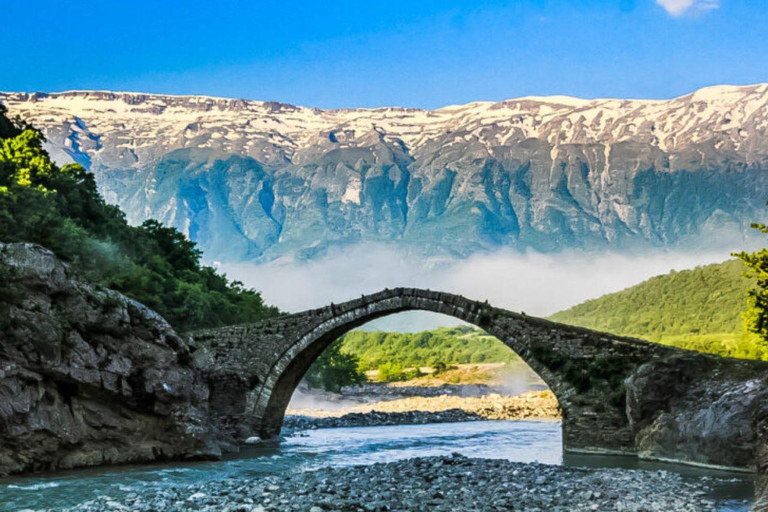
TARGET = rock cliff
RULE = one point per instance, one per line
(700, 409)
(89, 377)
(252, 180)
(703, 410)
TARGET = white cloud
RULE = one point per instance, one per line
(681, 7)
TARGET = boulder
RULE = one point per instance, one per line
(698, 408)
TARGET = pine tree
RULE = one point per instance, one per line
(756, 315)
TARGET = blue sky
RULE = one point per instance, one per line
(429, 53)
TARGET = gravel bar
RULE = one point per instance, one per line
(435, 484)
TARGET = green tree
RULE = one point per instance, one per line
(61, 209)
(391, 372)
(440, 368)
(334, 369)
(756, 315)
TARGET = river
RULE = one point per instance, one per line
(521, 441)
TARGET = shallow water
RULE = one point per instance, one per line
(522, 441)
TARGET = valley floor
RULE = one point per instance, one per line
(465, 393)
(533, 405)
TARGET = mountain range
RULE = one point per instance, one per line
(255, 181)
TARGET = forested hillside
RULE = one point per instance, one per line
(61, 209)
(699, 309)
(454, 345)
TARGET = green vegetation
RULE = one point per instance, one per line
(61, 209)
(698, 309)
(756, 315)
(335, 369)
(454, 345)
(394, 372)
(399, 356)
(391, 372)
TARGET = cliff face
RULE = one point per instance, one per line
(89, 377)
(701, 409)
(254, 180)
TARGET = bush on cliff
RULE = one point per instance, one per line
(61, 209)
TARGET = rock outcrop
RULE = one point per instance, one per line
(700, 409)
(704, 410)
(88, 376)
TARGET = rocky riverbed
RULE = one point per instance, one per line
(538, 405)
(435, 483)
(376, 391)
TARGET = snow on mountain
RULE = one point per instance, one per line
(545, 173)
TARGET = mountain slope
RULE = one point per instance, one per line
(257, 180)
(699, 309)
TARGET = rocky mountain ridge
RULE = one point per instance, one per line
(257, 180)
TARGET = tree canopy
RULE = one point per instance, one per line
(698, 309)
(448, 345)
(61, 209)
(756, 315)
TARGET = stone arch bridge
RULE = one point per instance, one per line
(254, 369)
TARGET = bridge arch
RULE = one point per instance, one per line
(260, 365)
(293, 364)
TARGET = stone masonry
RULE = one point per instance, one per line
(258, 366)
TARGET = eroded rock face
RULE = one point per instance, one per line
(250, 180)
(88, 376)
(700, 409)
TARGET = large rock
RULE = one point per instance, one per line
(88, 376)
(698, 408)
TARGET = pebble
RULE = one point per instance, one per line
(438, 484)
(533, 405)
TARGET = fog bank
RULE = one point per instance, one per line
(538, 284)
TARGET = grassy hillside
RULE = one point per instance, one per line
(698, 309)
(455, 345)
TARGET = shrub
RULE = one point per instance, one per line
(334, 369)
(60, 208)
(391, 372)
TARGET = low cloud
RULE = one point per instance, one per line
(538, 284)
(682, 7)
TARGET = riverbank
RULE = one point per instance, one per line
(534, 405)
(433, 483)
